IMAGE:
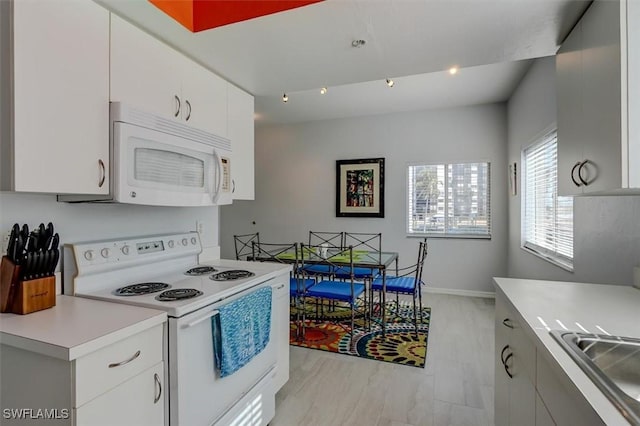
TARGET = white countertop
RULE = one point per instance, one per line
(75, 326)
(596, 308)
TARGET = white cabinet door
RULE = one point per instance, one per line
(633, 93)
(543, 418)
(204, 97)
(145, 72)
(281, 329)
(501, 397)
(138, 401)
(569, 102)
(601, 100)
(61, 97)
(241, 133)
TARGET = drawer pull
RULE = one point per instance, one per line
(502, 354)
(279, 287)
(507, 323)
(506, 367)
(118, 364)
(157, 380)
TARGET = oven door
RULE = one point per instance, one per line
(197, 394)
(156, 168)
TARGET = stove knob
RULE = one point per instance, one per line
(105, 252)
(125, 250)
(89, 255)
(185, 242)
(193, 240)
(170, 243)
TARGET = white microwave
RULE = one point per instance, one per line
(162, 162)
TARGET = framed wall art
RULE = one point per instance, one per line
(360, 188)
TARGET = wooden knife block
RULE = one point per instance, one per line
(24, 297)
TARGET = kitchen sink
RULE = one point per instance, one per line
(612, 363)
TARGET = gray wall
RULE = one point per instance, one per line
(295, 185)
(606, 229)
(86, 222)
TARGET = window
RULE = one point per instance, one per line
(450, 200)
(547, 222)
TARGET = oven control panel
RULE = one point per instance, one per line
(142, 249)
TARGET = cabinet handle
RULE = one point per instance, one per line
(189, 113)
(157, 380)
(507, 323)
(103, 173)
(279, 287)
(118, 364)
(573, 170)
(177, 106)
(233, 186)
(506, 367)
(502, 354)
(584, 163)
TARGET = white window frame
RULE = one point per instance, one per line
(446, 234)
(547, 254)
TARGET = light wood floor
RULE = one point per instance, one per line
(454, 388)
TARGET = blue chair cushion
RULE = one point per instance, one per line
(318, 269)
(336, 290)
(358, 272)
(396, 284)
(293, 285)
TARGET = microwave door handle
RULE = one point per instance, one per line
(214, 196)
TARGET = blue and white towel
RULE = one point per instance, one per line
(241, 330)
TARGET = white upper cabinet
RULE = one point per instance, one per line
(150, 75)
(56, 112)
(597, 150)
(241, 133)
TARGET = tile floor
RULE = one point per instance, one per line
(454, 388)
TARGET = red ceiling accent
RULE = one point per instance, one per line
(199, 15)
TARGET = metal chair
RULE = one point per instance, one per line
(242, 244)
(367, 242)
(289, 254)
(408, 281)
(322, 241)
(334, 291)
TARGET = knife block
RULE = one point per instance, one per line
(34, 295)
(9, 279)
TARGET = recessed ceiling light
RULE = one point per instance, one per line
(323, 91)
(285, 98)
(358, 43)
(453, 70)
(390, 82)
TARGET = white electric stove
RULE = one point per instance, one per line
(162, 272)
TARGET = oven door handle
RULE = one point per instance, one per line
(202, 318)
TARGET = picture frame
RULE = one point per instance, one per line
(513, 178)
(360, 187)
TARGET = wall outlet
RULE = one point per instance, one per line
(636, 277)
(200, 228)
(5, 242)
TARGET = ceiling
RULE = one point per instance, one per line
(414, 42)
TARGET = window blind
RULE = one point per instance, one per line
(547, 218)
(449, 199)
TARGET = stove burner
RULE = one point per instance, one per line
(178, 294)
(234, 274)
(141, 288)
(201, 270)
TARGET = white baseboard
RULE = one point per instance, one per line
(458, 292)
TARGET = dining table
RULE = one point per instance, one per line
(375, 260)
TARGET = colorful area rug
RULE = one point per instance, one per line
(400, 346)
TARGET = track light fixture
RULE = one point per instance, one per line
(285, 98)
(323, 91)
(390, 82)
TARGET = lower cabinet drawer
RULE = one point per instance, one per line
(102, 370)
(139, 401)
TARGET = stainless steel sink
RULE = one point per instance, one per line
(612, 363)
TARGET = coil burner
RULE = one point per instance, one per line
(201, 270)
(233, 274)
(140, 289)
(178, 294)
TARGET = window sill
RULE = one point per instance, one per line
(451, 236)
(560, 264)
